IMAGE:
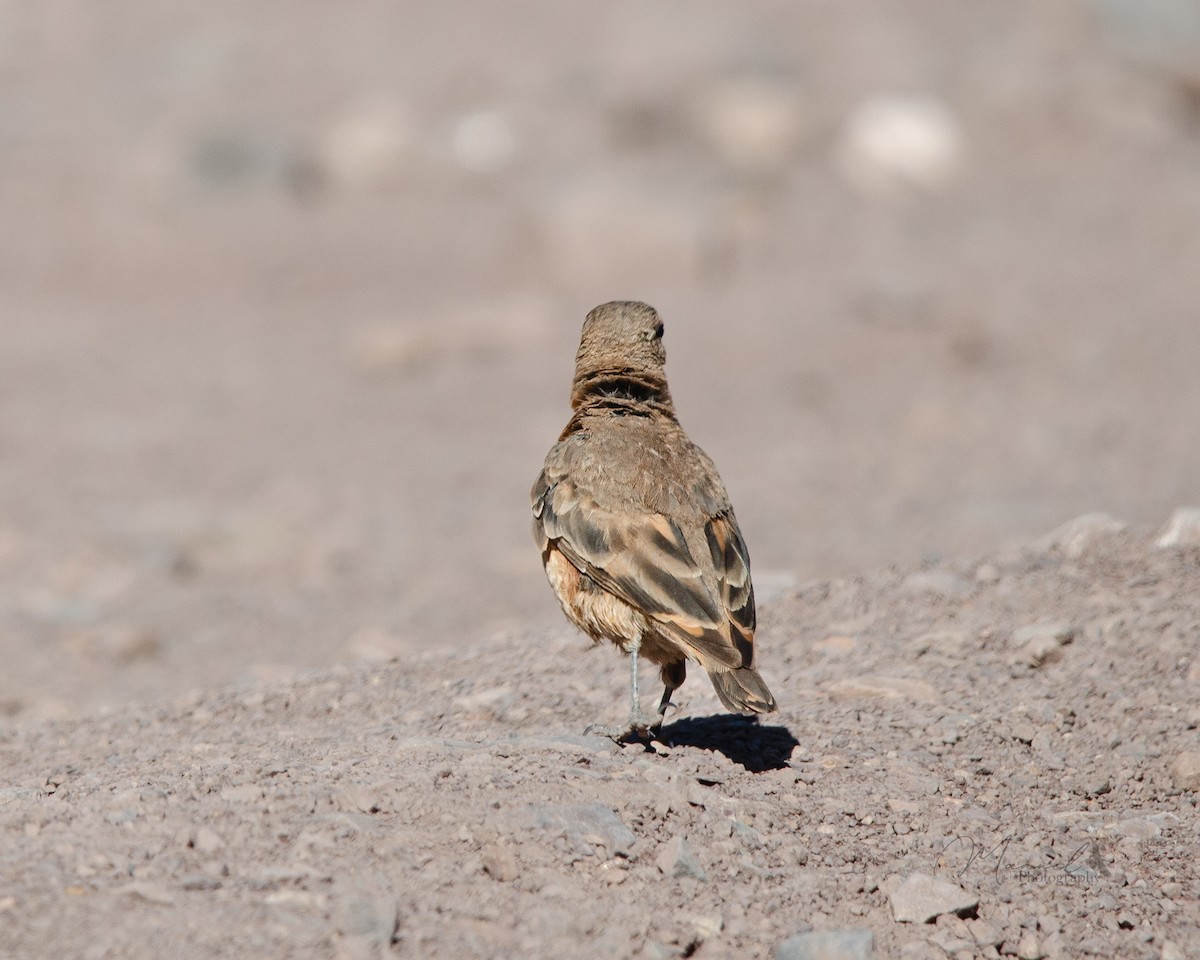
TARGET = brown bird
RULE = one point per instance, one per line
(637, 534)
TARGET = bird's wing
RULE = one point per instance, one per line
(644, 559)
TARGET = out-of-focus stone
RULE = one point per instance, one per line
(892, 144)
(1183, 529)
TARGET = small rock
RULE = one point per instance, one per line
(585, 826)
(945, 643)
(856, 944)
(500, 863)
(1171, 951)
(368, 917)
(1023, 732)
(1028, 948)
(199, 881)
(1078, 536)
(984, 933)
(1182, 529)
(987, 573)
(893, 144)
(150, 892)
(1137, 828)
(485, 141)
(677, 859)
(697, 795)
(922, 950)
(1040, 643)
(1185, 771)
(940, 583)
(207, 841)
(921, 898)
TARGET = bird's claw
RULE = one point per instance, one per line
(638, 730)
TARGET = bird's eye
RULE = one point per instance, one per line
(658, 331)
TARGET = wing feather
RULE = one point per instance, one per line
(705, 602)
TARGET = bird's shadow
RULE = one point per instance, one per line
(745, 741)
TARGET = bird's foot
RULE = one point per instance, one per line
(640, 729)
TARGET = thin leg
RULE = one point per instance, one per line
(673, 675)
(635, 711)
(639, 729)
(664, 703)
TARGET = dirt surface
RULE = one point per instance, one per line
(288, 307)
(1022, 729)
(289, 300)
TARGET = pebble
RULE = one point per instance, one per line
(922, 950)
(500, 863)
(1185, 771)
(1171, 951)
(1041, 643)
(1182, 529)
(1136, 828)
(940, 583)
(856, 944)
(150, 892)
(920, 898)
(1028, 948)
(1078, 536)
(676, 858)
(984, 933)
(586, 826)
(367, 915)
(207, 841)
(485, 141)
(892, 144)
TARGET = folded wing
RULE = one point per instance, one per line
(705, 603)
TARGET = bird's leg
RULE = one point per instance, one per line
(664, 703)
(635, 711)
(673, 675)
(640, 728)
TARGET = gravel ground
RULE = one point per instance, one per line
(288, 304)
(991, 756)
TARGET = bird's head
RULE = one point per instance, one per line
(623, 336)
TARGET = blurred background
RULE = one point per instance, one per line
(290, 293)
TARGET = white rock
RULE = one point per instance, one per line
(1078, 536)
(1171, 950)
(485, 141)
(1041, 643)
(893, 143)
(1182, 529)
(920, 898)
(1029, 949)
(1185, 771)
(676, 858)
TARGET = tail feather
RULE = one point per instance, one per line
(742, 690)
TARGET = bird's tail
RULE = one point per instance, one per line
(742, 690)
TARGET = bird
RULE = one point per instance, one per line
(638, 538)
